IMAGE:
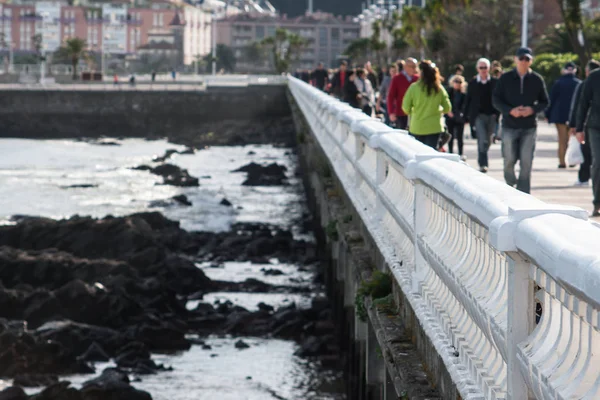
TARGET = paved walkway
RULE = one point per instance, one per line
(548, 183)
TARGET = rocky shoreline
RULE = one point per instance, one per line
(83, 290)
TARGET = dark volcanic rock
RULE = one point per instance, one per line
(226, 203)
(13, 393)
(35, 380)
(173, 201)
(81, 186)
(259, 175)
(112, 384)
(254, 242)
(164, 157)
(240, 344)
(175, 176)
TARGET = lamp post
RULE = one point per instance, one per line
(525, 23)
(214, 42)
(11, 56)
(102, 62)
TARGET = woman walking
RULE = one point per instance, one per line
(425, 102)
(456, 124)
(352, 95)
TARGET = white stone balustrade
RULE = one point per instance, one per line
(474, 258)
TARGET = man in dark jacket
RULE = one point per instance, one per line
(584, 174)
(519, 95)
(319, 77)
(480, 111)
(561, 97)
(589, 110)
(339, 80)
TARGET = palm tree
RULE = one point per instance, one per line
(74, 49)
(574, 25)
(285, 47)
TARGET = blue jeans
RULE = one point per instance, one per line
(518, 144)
(485, 127)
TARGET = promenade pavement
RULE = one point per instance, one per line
(548, 183)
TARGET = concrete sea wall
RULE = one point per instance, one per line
(253, 114)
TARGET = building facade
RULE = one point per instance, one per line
(327, 36)
(113, 28)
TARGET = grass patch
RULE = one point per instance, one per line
(331, 230)
(379, 287)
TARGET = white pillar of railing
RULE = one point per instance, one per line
(521, 302)
(421, 215)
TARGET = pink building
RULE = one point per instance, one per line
(107, 27)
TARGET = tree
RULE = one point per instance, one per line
(254, 53)
(225, 59)
(358, 49)
(575, 29)
(284, 47)
(73, 49)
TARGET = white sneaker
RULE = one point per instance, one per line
(578, 183)
(463, 158)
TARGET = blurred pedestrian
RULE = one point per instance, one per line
(519, 95)
(480, 111)
(425, 102)
(381, 106)
(398, 88)
(339, 80)
(371, 75)
(363, 84)
(588, 115)
(583, 177)
(456, 123)
(319, 77)
(561, 96)
(351, 94)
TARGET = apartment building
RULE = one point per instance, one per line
(113, 28)
(327, 36)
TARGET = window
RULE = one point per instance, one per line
(260, 32)
(323, 37)
(335, 36)
(270, 31)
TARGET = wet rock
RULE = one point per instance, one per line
(240, 344)
(112, 384)
(81, 186)
(106, 142)
(94, 353)
(188, 150)
(180, 200)
(206, 347)
(166, 156)
(251, 153)
(58, 391)
(226, 203)
(175, 176)
(265, 307)
(34, 380)
(272, 272)
(13, 393)
(142, 168)
(259, 175)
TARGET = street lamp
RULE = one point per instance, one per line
(525, 23)
(102, 62)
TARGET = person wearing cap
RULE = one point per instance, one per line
(520, 95)
(561, 96)
(588, 116)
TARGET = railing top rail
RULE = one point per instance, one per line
(566, 248)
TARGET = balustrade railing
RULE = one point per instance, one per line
(506, 286)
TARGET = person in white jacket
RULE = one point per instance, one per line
(366, 90)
